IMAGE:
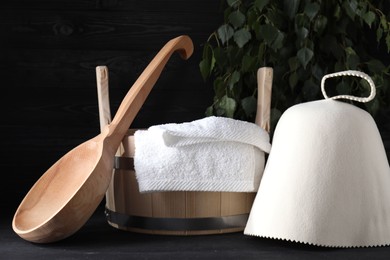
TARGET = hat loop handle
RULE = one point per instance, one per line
(354, 73)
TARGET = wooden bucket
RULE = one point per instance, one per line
(179, 212)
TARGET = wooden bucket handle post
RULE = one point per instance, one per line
(103, 96)
(264, 91)
(102, 80)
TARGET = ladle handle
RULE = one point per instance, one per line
(138, 93)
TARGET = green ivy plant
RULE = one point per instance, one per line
(302, 40)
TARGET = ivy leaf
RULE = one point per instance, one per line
(349, 51)
(388, 42)
(260, 4)
(343, 88)
(385, 85)
(304, 56)
(320, 24)
(237, 19)
(317, 71)
(369, 18)
(352, 62)
(219, 87)
(291, 7)
(337, 11)
(234, 54)
(242, 36)
(249, 105)
(204, 67)
(373, 106)
(376, 66)
(268, 32)
(364, 87)
(384, 22)
(228, 105)
(278, 42)
(339, 66)
(212, 64)
(225, 32)
(293, 63)
(302, 33)
(311, 10)
(379, 34)
(207, 63)
(247, 63)
(209, 111)
(301, 20)
(233, 3)
(270, 35)
(262, 51)
(234, 78)
(329, 45)
(293, 80)
(350, 7)
(310, 90)
(220, 56)
(353, 59)
(353, 4)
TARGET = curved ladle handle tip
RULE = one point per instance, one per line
(187, 47)
(138, 93)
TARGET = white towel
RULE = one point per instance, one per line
(210, 154)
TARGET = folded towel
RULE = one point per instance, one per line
(210, 154)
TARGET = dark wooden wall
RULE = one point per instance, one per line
(48, 53)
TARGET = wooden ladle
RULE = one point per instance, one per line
(68, 193)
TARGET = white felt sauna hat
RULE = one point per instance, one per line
(327, 178)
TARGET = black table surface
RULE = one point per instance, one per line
(98, 240)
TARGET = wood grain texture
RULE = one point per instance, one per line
(264, 91)
(103, 96)
(200, 6)
(119, 30)
(49, 50)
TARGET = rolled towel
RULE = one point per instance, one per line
(210, 154)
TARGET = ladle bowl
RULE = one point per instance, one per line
(69, 192)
